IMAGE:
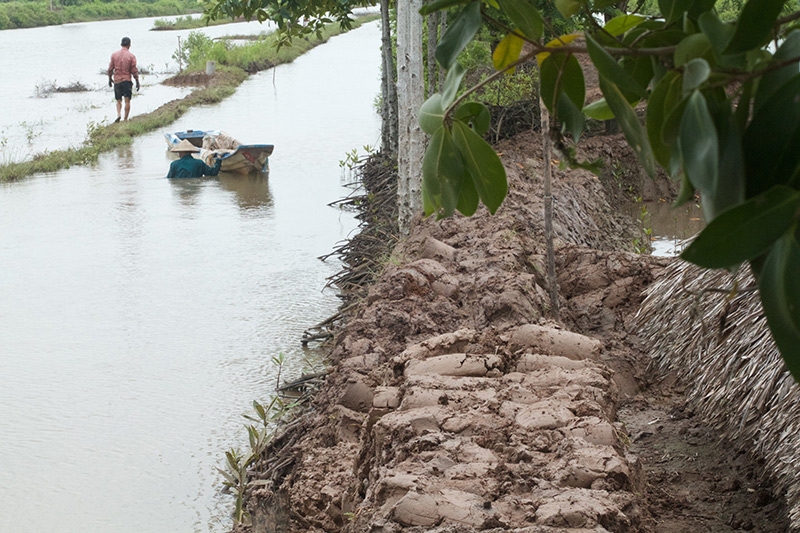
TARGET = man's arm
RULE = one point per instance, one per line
(213, 171)
(135, 72)
(111, 73)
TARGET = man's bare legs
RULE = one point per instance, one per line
(127, 109)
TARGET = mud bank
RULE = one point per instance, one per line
(455, 404)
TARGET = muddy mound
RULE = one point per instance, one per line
(453, 404)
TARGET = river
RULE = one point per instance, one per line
(139, 316)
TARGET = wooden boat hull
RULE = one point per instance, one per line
(246, 158)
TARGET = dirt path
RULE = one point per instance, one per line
(455, 404)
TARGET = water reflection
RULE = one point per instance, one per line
(187, 189)
(252, 191)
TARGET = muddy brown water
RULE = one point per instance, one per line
(138, 316)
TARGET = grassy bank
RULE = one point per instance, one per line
(32, 14)
(188, 22)
(233, 66)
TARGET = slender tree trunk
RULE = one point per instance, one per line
(410, 96)
(433, 39)
(552, 281)
(388, 87)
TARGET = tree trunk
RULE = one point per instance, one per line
(552, 280)
(388, 88)
(410, 96)
(433, 39)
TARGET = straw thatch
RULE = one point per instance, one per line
(717, 342)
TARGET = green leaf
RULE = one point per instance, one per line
(571, 116)
(665, 95)
(695, 73)
(699, 143)
(685, 193)
(633, 130)
(438, 5)
(568, 8)
(728, 191)
(483, 164)
(431, 114)
(673, 10)
(525, 15)
(468, 201)
(745, 231)
(622, 23)
(718, 33)
(562, 72)
(598, 110)
(475, 114)
(507, 52)
(458, 35)
(451, 84)
(743, 105)
(780, 297)
(771, 140)
(755, 25)
(770, 83)
(608, 67)
(442, 175)
(692, 47)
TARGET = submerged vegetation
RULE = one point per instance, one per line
(234, 63)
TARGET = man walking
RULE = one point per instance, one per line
(121, 70)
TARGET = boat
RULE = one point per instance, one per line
(235, 156)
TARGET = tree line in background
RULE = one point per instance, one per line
(17, 14)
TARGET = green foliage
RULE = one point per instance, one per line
(721, 108)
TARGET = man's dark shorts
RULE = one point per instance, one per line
(123, 89)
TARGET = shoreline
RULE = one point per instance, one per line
(214, 89)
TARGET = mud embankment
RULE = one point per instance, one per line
(454, 403)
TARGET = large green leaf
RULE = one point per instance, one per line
(631, 127)
(438, 5)
(476, 115)
(770, 141)
(622, 23)
(483, 164)
(673, 10)
(692, 47)
(468, 201)
(609, 68)
(695, 73)
(780, 296)
(562, 73)
(525, 15)
(571, 116)
(665, 95)
(719, 33)
(451, 84)
(507, 51)
(755, 24)
(729, 188)
(771, 82)
(431, 114)
(442, 175)
(459, 34)
(599, 110)
(699, 143)
(746, 231)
